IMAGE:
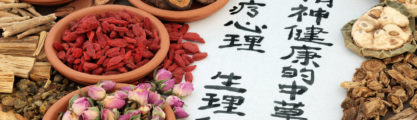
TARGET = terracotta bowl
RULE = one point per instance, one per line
(62, 104)
(47, 2)
(197, 12)
(57, 30)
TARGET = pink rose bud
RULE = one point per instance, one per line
(92, 113)
(108, 85)
(144, 86)
(130, 115)
(73, 98)
(68, 115)
(174, 101)
(121, 94)
(180, 113)
(80, 105)
(113, 102)
(155, 98)
(139, 96)
(145, 109)
(157, 111)
(163, 74)
(108, 114)
(183, 89)
(127, 88)
(96, 92)
(157, 118)
(167, 85)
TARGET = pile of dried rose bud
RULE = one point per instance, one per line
(144, 101)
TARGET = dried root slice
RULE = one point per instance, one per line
(6, 82)
(42, 38)
(34, 12)
(27, 24)
(406, 114)
(21, 66)
(41, 71)
(23, 12)
(383, 31)
(373, 65)
(7, 14)
(34, 30)
(180, 4)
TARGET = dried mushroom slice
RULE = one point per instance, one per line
(411, 5)
(384, 31)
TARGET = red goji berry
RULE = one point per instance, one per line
(199, 56)
(61, 55)
(122, 69)
(58, 46)
(189, 46)
(90, 36)
(98, 71)
(127, 56)
(172, 67)
(143, 62)
(115, 60)
(148, 54)
(101, 60)
(77, 52)
(77, 61)
(184, 29)
(178, 59)
(167, 63)
(189, 77)
(190, 68)
(193, 37)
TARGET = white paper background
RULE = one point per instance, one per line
(261, 73)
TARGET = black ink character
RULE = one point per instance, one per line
(250, 5)
(311, 35)
(304, 53)
(227, 85)
(319, 14)
(231, 101)
(233, 38)
(301, 11)
(205, 118)
(253, 40)
(289, 72)
(289, 111)
(210, 101)
(257, 29)
(307, 78)
(292, 90)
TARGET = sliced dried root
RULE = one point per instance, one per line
(27, 24)
(34, 30)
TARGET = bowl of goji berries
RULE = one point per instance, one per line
(108, 42)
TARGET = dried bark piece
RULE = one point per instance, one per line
(374, 108)
(395, 59)
(41, 71)
(348, 85)
(362, 92)
(27, 24)
(374, 85)
(21, 66)
(6, 82)
(12, 19)
(19, 47)
(413, 60)
(402, 79)
(384, 79)
(406, 69)
(34, 30)
(406, 114)
(397, 97)
(373, 65)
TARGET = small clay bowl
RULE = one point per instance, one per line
(57, 30)
(62, 104)
(197, 11)
(47, 2)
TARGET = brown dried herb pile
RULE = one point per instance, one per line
(31, 99)
(380, 86)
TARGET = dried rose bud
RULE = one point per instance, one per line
(157, 111)
(92, 113)
(130, 115)
(80, 105)
(145, 108)
(143, 86)
(162, 75)
(139, 96)
(113, 102)
(155, 98)
(108, 85)
(73, 98)
(96, 92)
(121, 94)
(167, 85)
(180, 113)
(183, 89)
(174, 101)
(127, 88)
(108, 114)
(68, 115)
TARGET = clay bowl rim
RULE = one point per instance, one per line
(61, 104)
(47, 2)
(56, 32)
(181, 16)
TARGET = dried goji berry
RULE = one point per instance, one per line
(190, 68)
(65, 45)
(122, 69)
(58, 46)
(167, 63)
(188, 58)
(77, 52)
(90, 36)
(193, 37)
(101, 60)
(61, 55)
(117, 43)
(191, 47)
(77, 61)
(172, 67)
(147, 23)
(89, 66)
(179, 52)
(86, 57)
(189, 77)
(79, 41)
(131, 66)
(178, 59)
(143, 62)
(115, 60)
(112, 52)
(127, 56)
(98, 71)
(148, 54)
(113, 67)
(199, 56)
(184, 29)
(113, 34)
(111, 72)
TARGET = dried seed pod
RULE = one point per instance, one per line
(180, 4)
(382, 32)
(373, 65)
